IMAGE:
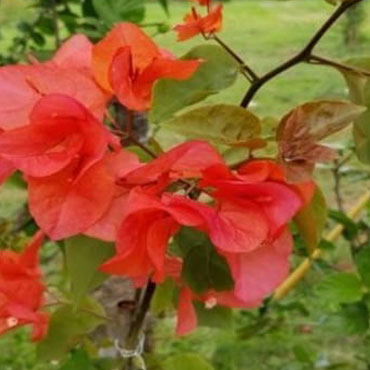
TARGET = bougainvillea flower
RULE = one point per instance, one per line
(231, 228)
(128, 63)
(21, 290)
(60, 130)
(142, 238)
(262, 183)
(203, 2)
(21, 86)
(6, 167)
(75, 53)
(69, 202)
(195, 24)
(258, 273)
(186, 160)
(187, 320)
(118, 164)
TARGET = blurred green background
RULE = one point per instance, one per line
(302, 332)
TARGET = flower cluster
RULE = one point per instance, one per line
(52, 130)
(80, 180)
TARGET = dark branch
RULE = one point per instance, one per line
(303, 56)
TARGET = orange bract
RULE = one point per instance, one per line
(128, 63)
(196, 24)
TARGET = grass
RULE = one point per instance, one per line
(265, 33)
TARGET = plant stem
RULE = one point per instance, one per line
(303, 56)
(137, 324)
(315, 59)
(249, 73)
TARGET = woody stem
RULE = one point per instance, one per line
(137, 324)
(303, 56)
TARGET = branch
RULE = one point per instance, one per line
(249, 73)
(303, 56)
(305, 266)
(316, 59)
(136, 327)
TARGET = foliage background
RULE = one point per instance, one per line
(305, 331)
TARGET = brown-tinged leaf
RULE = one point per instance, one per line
(301, 129)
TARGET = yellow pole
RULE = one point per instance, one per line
(297, 275)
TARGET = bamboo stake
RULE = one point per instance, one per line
(297, 275)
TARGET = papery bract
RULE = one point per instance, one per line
(66, 204)
(60, 130)
(21, 290)
(183, 161)
(127, 62)
(195, 24)
(118, 164)
(21, 86)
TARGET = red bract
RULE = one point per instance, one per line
(63, 151)
(143, 237)
(263, 183)
(21, 290)
(60, 130)
(21, 86)
(6, 168)
(195, 24)
(65, 204)
(118, 165)
(203, 2)
(186, 160)
(127, 62)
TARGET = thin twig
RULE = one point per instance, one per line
(303, 56)
(249, 73)
(315, 59)
(137, 325)
(142, 146)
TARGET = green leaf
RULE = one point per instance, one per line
(187, 361)
(84, 255)
(218, 71)
(219, 124)
(362, 260)
(361, 134)
(311, 220)
(114, 11)
(79, 360)
(68, 325)
(339, 287)
(350, 228)
(216, 317)
(359, 93)
(185, 239)
(163, 297)
(356, 82)
(214, 272)
(354, 318)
